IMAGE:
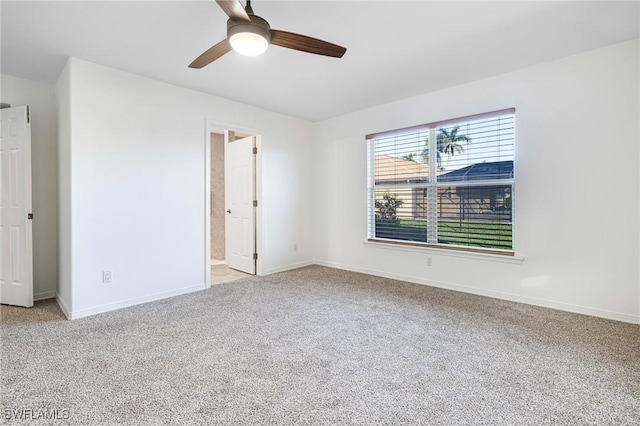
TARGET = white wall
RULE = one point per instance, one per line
(129, 146)
(63, 101)
(577, 190)
(136, 156)
(41, 100)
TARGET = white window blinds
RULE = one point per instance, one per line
(448, 183)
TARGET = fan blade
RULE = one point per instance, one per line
(234, 9)
(306, 44)
(212, 54)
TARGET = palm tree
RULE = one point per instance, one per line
(410, 157)
(448, 141)
(425, 153)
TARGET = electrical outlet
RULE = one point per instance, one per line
(295, 247)
(106, 277)
(429, 261)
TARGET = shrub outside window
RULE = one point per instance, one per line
(448, 184)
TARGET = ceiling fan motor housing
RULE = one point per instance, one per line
(256, 26)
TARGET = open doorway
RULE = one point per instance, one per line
(217, 200)
(232, 199)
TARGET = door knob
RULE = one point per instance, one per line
(229, 211)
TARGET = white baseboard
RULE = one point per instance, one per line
(65, 309)
(585, 310)
(288, 267)
(81, 313)
(44, 295)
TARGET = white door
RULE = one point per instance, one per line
(16, 274)
(239, 193)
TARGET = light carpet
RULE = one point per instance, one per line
(318, 346)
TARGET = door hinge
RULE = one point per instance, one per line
(28, 115)
(255, 203)
(255, 256)
(255, 150)
(30, 216)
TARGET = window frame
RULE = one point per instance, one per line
(432, 128)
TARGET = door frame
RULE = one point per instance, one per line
(214, 126)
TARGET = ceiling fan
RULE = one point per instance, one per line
(250, 35)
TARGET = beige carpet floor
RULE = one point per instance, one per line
(319, 346)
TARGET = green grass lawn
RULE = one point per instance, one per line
(486, 234)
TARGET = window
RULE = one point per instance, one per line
(447, 184)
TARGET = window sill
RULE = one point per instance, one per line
(379, 244)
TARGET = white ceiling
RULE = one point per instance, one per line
(395, 50)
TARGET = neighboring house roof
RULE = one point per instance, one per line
(397, 170)
(480, 171)
(390, 169)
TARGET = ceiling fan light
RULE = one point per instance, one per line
(248, 43)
